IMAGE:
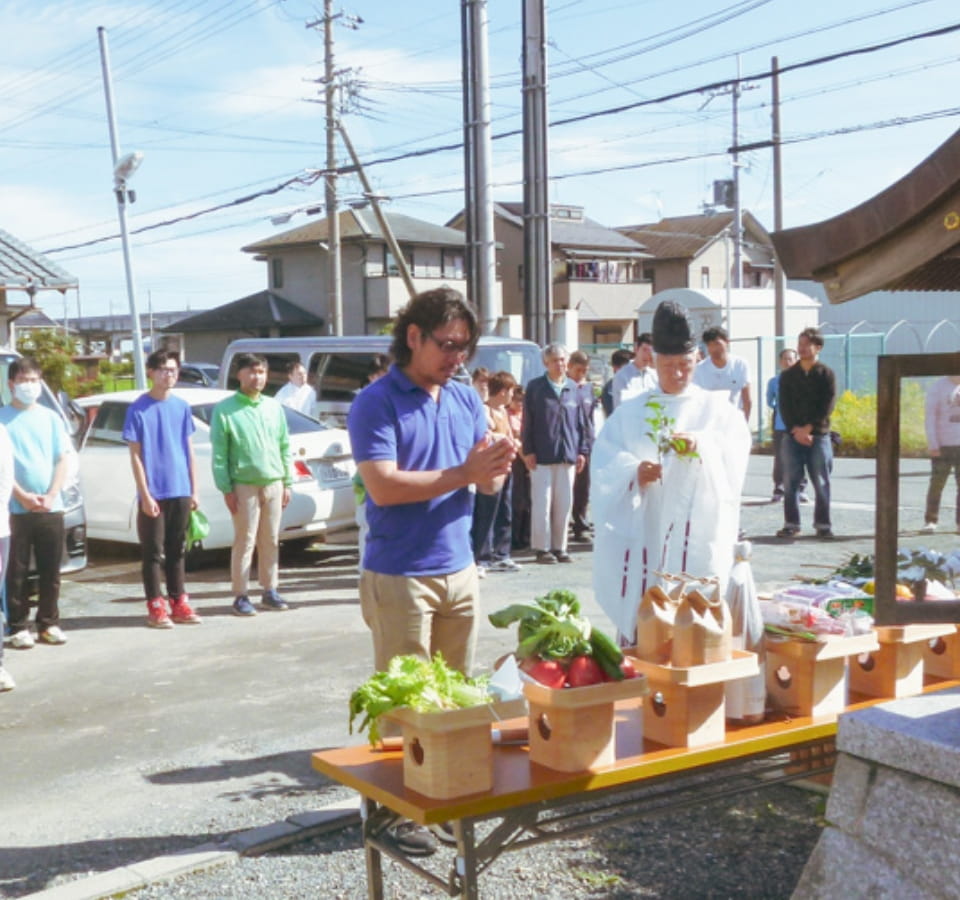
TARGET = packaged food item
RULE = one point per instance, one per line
(655, 618)
(835, 597)
(702, 630)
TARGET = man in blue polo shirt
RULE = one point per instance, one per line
(420, 441)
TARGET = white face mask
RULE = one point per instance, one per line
(27, 392)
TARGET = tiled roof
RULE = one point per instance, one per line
(21, 265)
(264, 309)
(584, 233)
(361, 225)
(680, 237)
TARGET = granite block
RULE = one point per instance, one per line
(852, 779)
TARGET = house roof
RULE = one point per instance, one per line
(684, 237)
(21, 266)
(570, 234)
(264, 309)
(907, 237)
(359, 225)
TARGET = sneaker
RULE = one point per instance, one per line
(272, 600)
(803, 498)
(545, 557)
(928, 528)
(481, 571)
(6, 680)
(22, 640)
(443, 832)
(825, 534)
(412, 839)
(53, 635)
(504, 565)
(182, 612)
(777, 496)
(243, 607)
(788, 531)
(157, 616)
(562, 556)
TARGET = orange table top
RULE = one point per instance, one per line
(378, 774)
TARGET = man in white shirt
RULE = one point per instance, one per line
(638, 376)
(722, 371)
(296, 393)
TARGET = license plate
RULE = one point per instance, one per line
(328, 472)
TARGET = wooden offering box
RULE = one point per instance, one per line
(941, 656)
(896, 669)
(572, 729)
(450, 753)
(808, 678)
(686, 705)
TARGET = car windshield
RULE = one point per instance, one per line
(297, 423)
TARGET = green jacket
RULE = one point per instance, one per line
(250, 443)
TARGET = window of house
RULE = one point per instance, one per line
(276, 272)
(705, 276)
(390, 262)
(451, 263)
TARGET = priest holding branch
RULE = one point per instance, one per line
(667, 470)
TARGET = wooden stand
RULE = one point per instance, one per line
(941, 656)
(686, 705)
(896, 669)
(450, 753)
(808, 678)
(572, 729)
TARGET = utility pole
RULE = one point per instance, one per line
(779, 293)
(537, 274)
(334, 273)
(737, 208)
(480, 246)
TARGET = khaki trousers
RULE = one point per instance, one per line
(256, 524)
(422, 616)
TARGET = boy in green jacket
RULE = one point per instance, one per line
(251, 466)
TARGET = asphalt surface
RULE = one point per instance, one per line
(128, 741)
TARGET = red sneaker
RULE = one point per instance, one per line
(181, 612)
(157, 616)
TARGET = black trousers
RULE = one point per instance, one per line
(581, 497)
(42, 533)
(161, 547)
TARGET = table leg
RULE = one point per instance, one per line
(373, 857)
(466, 861)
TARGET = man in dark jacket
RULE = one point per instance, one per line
(808, 393)
(555, 443)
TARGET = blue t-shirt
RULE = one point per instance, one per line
(39, 441)
(162, 428)
(393, 419)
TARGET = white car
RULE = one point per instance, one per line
(323, 468)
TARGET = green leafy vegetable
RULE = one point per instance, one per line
(418, 684)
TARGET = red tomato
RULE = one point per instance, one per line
(628, 668)
(547, 671)
(584, 670)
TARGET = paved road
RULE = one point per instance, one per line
(137, 738)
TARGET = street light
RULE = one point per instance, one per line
(123, 169)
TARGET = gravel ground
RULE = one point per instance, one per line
(754, 846)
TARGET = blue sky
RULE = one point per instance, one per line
(217, 95)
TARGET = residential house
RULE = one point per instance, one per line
(698, 251)
(597, 271)
(204, 336)
(373, 291)
(24, 273)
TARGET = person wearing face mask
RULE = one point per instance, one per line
(41, 450)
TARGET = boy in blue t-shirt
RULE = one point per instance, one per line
(158, 428)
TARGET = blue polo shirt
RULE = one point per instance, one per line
(394, 419)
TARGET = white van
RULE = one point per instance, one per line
(337, 367)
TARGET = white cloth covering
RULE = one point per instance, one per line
(688, 521)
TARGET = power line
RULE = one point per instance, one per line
(427, 151)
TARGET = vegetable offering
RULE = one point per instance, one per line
(416, 683)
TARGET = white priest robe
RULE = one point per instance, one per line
(686, 522)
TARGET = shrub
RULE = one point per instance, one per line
(855, 418)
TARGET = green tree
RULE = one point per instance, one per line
(54, 352)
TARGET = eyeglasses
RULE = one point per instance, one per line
(163, 370)
(449, 348)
